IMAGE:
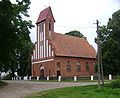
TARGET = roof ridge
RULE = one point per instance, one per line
(43, 15)
(70, 36)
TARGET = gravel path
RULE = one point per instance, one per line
(17, 89)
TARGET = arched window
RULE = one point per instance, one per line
(87, 66)
(68, 66)
(50, 29)
(78, 67)
(58, 64)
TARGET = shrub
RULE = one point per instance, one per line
(7, 77)
(116, 83)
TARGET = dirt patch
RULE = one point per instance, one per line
(17, 89)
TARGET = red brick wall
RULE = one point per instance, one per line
(48, 20)
(63, 63)
(51, 67)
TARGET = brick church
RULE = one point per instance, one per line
(56, 54)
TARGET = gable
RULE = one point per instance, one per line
(44, 14)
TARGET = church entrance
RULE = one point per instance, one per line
(41, 71)
(58, 69)
(58, 73)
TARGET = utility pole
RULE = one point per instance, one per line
(102, 73)
(0, 75)
(98, 51)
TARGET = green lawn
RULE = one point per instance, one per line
(78, 92)
(2, 84)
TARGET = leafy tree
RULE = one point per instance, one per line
(75, 33)
(14, 33)
(6, 38)
(24, 58)
(110, 44)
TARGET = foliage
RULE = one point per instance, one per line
(7, 77)
(24, 58)
(96, 67)
(78, 92)
(110, 39)
(115, 83)
(75, 33)
(14, 34)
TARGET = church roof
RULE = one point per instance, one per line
(66, 45)
(43, 15)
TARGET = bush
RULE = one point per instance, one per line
(7, 77)
(116, 83)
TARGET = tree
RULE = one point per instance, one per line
(24, 58)
(75, 33)
(110, 39)
(5, 27)
(14, 32)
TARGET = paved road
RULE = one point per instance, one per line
(17, 89)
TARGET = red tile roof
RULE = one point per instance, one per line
(66, 45)
(43, 15)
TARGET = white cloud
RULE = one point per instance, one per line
(75, 14)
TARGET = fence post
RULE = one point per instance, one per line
(29, 77)
(110, 77)
(59, 78)
(92, 78)
(47, 78)
(25, 77)
(75, 78)
(19, 78)
(0, 75)
(37, 77)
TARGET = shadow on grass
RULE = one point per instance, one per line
(2, 84)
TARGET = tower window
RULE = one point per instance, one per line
(50, 26)
(41, 27)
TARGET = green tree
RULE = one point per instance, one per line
(6, 38)
(24, 58)
(14, 32)
(110, 44)
(75, 33)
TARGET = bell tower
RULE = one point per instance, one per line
(46, 18)
(45, 30)
(49, 24)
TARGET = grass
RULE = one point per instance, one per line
(2, 84)
(78, 92)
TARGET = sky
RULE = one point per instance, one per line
(75, 15)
